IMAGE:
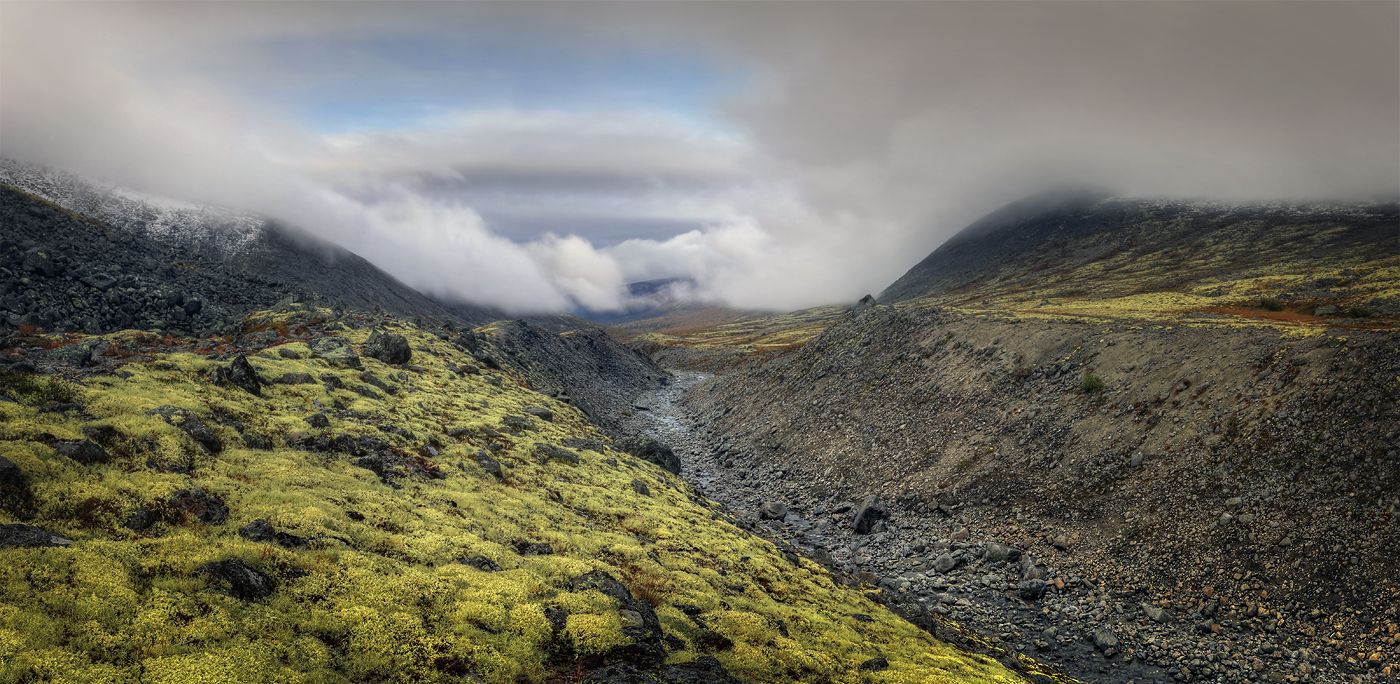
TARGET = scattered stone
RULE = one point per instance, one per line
(295, 379)
(945, 563)
(550, 452)
(540, 412)
(372, 379)
(1032, 589)
(1106, 640)
(993, 552)
(20, 535)
(641, 487)
(878, 663)
(196, 503)
(262, 531)
(318, 420)
(191, 425)
(84, 451)
(490, 465)
(516, 423)
(772, 510)
(1154, 613)
(241, 581)
(529, 548)
(336, 351)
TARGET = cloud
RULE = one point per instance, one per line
(539, 156)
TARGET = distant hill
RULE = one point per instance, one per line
(650, 299)
(1065, 249)
(159, 263)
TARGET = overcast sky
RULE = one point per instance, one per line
(539, 156)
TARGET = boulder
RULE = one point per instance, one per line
(239, 579)
(240, 374)
(540, 412)
(84, 451)
(867, 514)
(993, 552)
(651, 450)
(772, 510)
(1032, 589)
(391, 348)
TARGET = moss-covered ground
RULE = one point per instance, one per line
(380, 590)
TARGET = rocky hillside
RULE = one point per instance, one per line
(1081, 254)
(1237, 485)
(77, 257)
(354, 498)
(1161, 433)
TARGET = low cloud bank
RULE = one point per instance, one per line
(856, 138)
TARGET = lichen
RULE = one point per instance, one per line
(380, 592)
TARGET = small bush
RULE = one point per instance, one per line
(1091, 384)
(1271, 304)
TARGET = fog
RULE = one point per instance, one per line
(538, 157)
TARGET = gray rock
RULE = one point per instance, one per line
(391, 348)
(651, 450)
(240, 580)
(239, 374)
(945, 562)
(772, 510)
(1154, 613)
(867, 514)
(993, 552)
(19, 535)
(1106, 640)
(540, 412)
(1032, 589)
(84, 451)
(336, 351)
(550, 452)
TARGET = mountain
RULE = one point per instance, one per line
(1120, 433)
(1075, 248)
(158, 262)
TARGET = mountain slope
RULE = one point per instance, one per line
(1157, 434)
(313, 512)
(1078, 253)
(145, 238)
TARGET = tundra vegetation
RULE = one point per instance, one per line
(339, 518)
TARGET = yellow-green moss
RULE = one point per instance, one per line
(379, 595)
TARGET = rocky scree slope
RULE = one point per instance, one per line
(1238, 484)
(80, 257)
(354, 498)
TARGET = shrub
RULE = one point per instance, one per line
(1091, 384)
(1271, 304)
